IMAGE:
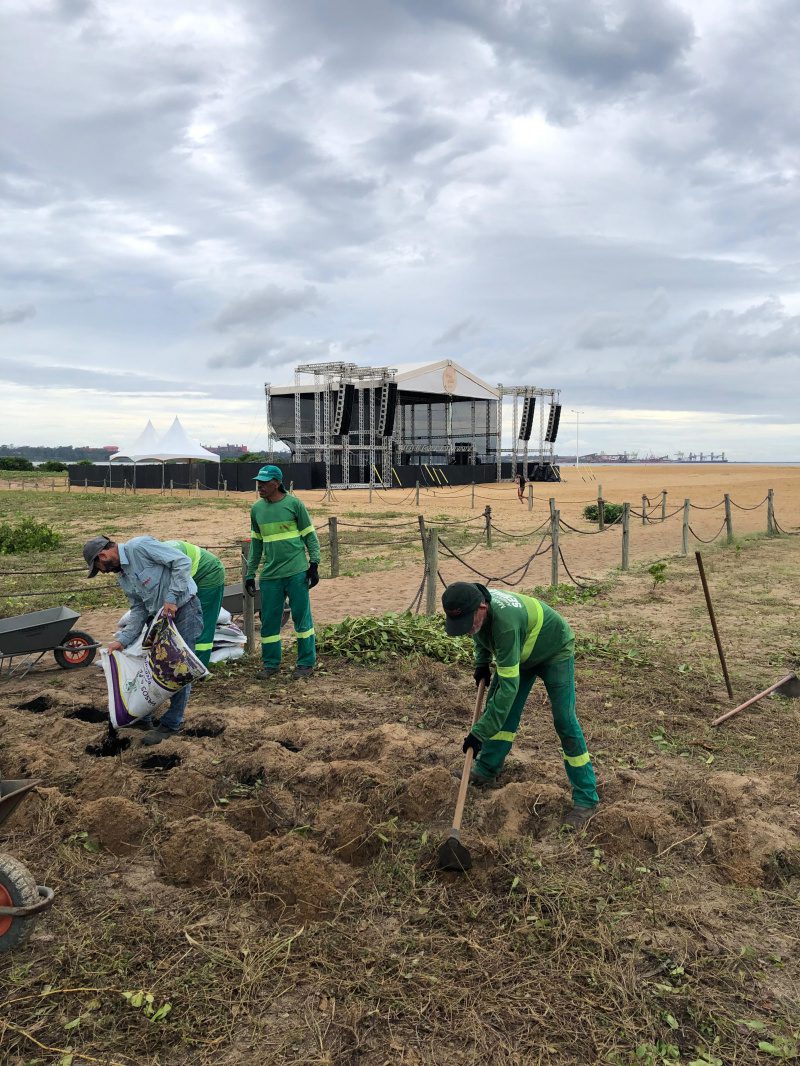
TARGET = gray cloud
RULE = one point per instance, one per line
(266, 305)
(16, 314)
(459, 331)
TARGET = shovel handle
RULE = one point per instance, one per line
(462, 790)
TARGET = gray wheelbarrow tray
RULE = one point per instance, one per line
(30, 636)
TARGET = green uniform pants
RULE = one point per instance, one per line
(211, 602)
(559, 680)
(273, 593)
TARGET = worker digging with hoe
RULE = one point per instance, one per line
(154, 576)
(527, 639)
(282, 533)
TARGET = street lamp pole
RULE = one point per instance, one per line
(577, 434)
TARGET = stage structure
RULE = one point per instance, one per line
(364, 423)
(522, 423)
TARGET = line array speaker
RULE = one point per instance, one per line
(552, 423)
(526, 425)
(343, 414)
(388, 409)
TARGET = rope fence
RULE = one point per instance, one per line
(356, 540)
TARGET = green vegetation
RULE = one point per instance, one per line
(393, 636)
(53, 466)
(27, 536)
(14, 462)
(611, 512)
(658, 572)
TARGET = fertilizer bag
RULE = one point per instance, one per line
(138, 684)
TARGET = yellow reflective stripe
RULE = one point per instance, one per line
(508, 671)
(290, 534)
(271, 640)
(509, 737)
(576, 760)
(255, 536)
(190, 550)
(301, 634)
(306, 531)
(204, 647)
(530, 640)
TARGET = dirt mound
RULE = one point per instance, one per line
(428, 794)
(40, 811)
(294, 873)
(634, 828)
(200, 849)
(345, 829)
(754, 851)
(723, 794)
(523, 808)
(390, 741)
(28, 758)
(117, 823)
(342, 778)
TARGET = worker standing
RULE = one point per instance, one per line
(521, 487)
(282, 533)
(527, 639)
(154, 577)
(208, 574)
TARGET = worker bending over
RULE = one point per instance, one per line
(154, 577)
(527, 639)
(281, 533)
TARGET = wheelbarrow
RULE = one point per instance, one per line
(21, 899)
(31, 636)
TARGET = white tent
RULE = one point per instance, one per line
(144, 443)
(176, 446)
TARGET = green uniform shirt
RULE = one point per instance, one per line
(282, 531)
(207, 570)
(520, 631)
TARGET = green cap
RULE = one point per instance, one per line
(269, 473)
(460, 601)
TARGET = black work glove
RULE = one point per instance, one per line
(312, 575)
(483, 673)
(472, 742)
(250, 586)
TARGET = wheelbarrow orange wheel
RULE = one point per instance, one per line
(17, 889)
(76, 651)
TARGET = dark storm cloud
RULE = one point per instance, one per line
(266, 305)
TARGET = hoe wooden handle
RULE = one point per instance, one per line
(462, 791)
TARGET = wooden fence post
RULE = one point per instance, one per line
(626, 535)
(291, 487)
(645, 505)
(552, 506)
(770, 513)
(421, 520)
(472, 503)
(432, 570)
(417, 498)
(530, 496)
(663, 505)
(487, 514)
(225, 487)
(601, 508)
(728, 518)
(248, 606)
(687, 504)
(554, 546)
(197, 486)
(171, 490)
(105, 486)
(333, 536)
(86, 484)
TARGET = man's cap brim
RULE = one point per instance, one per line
(459, 625)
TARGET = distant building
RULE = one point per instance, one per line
(227, 451)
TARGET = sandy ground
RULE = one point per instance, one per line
(585, 555)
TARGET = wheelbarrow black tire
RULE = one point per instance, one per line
(83, 654)
(17, 889)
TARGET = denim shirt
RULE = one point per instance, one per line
(152, 574)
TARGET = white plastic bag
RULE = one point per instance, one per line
(138, 684)
(224, 618)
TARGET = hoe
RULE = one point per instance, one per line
(452, 855)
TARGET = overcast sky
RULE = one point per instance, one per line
(599, 196)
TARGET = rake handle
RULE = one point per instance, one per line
(462, 789)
